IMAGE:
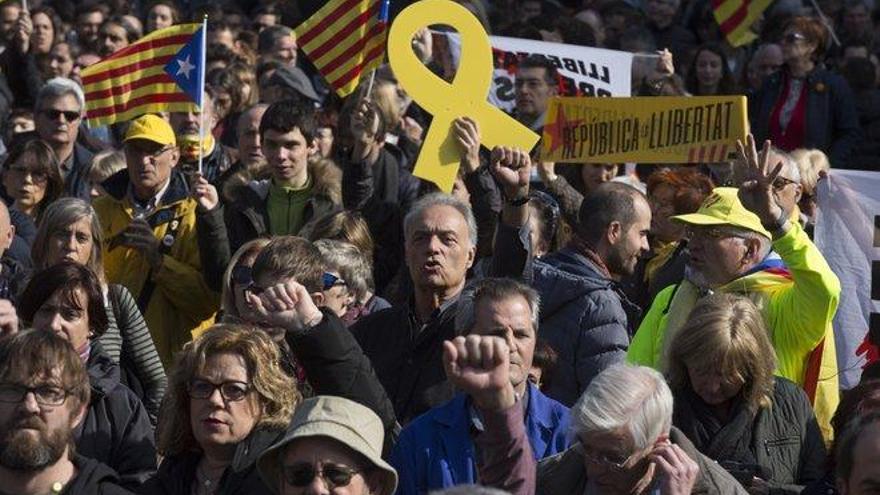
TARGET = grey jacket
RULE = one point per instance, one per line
(585, 319)
(565, 473)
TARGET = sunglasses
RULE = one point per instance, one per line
(331, 281)
(780, 182)
(52, 114)
(302, 474)
(231, 391)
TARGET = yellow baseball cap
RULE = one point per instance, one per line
(723, 207)
(152, 128)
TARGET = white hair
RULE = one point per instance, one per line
(59, 86)
(625, 396)
(441, 199)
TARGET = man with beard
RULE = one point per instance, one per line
(586, 317)
(217, 158)
(44, 391)
(744, 241)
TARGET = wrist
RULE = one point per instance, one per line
(496, 400)
(516, 196)
(315, 319)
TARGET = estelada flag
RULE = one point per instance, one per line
(161, 72)
(736, 17)
(345, 39)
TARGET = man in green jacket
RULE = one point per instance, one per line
(742, 241)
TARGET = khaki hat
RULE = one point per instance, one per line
(345, 421)
(723, 207)
(152, 128)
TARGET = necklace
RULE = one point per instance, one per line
(204, 483)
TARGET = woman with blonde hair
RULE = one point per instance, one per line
(813, 166)
(759, 427)
(228, 399)
(237, 278)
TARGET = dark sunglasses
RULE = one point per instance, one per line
(231, 391)
(331, 281)
(242, 275)
(302, 474)
(52, 114)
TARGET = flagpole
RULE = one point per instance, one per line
(201, 75)
(826, 22)
(383, 19)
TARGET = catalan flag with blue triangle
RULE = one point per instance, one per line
(161, 72)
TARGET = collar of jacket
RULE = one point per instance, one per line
(104, 374)
(117, 187)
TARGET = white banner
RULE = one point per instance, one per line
(583, 71)
(849, 205)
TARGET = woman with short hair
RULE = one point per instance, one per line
(759, 427)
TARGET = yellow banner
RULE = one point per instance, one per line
(644, 129)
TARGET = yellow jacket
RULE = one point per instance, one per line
(798, 305)
(181, 303)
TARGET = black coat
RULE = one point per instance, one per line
(832, 122)
(407, 354)
(93, 478)
(116, 429)
(177, 473)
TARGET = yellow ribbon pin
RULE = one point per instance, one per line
(439, 158)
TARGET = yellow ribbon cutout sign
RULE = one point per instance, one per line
(439, 157)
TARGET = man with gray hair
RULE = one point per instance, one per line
(766, 60)
(58, 113)
(404, 343)
(625, 443)
(744, 241)
(437, 448)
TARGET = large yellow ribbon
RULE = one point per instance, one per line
(439, 157)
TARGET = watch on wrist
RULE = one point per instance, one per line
(517, 201)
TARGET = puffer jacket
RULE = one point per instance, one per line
(786, 442)
(181, 302)
(116, 429)
(585, 319)
(565, 473)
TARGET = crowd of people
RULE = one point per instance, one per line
(297, 313)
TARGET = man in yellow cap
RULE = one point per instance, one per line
(743, 241)
(148, 220)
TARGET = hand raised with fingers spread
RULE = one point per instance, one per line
(756, 193)
(512, 167)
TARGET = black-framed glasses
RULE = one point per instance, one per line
(53, 114)
(242, 275)
(46, 395)
(231, 391)
(331, 281)
(335, 475)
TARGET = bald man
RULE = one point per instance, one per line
(12, 272)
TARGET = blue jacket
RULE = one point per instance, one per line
(436, 450)
(585, 317)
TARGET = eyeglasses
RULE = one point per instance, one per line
(53, 114)
(231, 391)
(22, 172)
(780, 182)
(331, 281)
(617, 462)
(46, 395)
(153, 156)
(242, 275)
(792, 38)
(708, 233)
(335, 475)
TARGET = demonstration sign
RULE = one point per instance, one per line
(583, 71)
(654, 129)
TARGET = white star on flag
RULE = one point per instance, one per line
(184, 67)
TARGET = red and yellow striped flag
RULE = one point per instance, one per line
(134, 81)
(736, 18)
(344, 39)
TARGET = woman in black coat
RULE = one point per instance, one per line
(804, 105)
(759, 427)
